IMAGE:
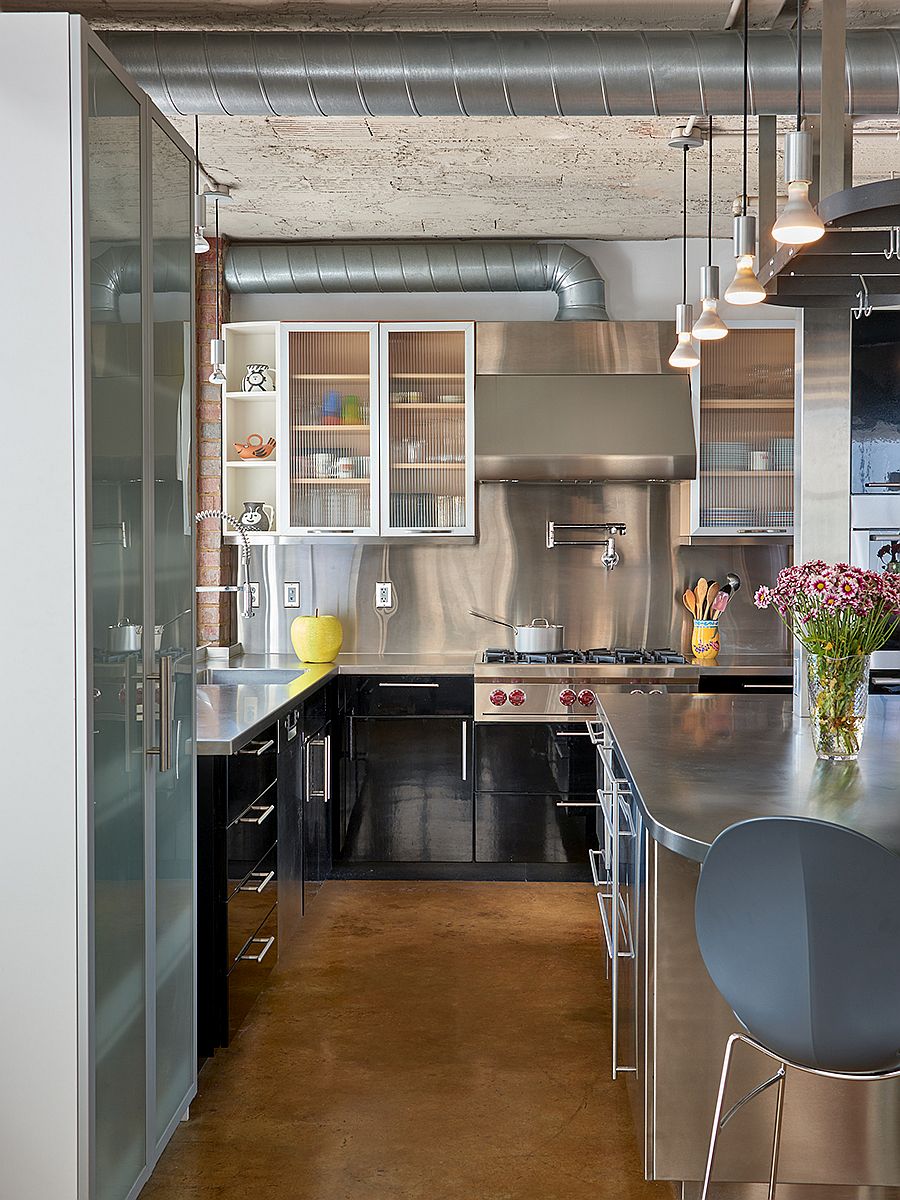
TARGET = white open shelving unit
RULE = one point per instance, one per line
(244, 413)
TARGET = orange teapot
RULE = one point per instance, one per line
(254, 447)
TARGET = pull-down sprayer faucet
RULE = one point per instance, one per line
(243, 585)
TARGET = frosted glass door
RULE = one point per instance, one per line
(172, 647)
(427, 396)
(117, 581)
(332, 417)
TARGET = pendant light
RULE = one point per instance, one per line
(709, 326)
(685, 353)
(798, 223)
(217, 345)
(745, 288)
(201, 245)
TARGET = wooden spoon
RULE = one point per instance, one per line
(700, 591)
(690, 602)
(710, 596)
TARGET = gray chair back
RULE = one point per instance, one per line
(798, 922)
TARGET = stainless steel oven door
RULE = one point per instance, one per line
(879, 550)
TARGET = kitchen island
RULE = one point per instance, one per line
(689, 766)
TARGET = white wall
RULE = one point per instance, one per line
(643, 282)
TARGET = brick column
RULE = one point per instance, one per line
(216, 562)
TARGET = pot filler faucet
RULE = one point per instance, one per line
(242, 587)
(612, 530)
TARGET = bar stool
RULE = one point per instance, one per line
(798, 923)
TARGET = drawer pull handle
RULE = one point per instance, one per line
(578, 804)
(267, 944)
(410, 685)
(257, 750)
(265, 878)
(265, 811)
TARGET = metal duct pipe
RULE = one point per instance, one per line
(117, 271)
(498, 74)
(331, 267)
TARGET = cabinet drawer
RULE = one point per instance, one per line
(251, 770)
(414, 696)
(249, 974)
(249, 903)
(252, 833)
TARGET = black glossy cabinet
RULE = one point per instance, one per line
(535, 794)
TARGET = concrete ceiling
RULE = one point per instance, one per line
(608, 178)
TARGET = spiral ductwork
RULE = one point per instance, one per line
(362, 267)
(499, 74)
(117, 272)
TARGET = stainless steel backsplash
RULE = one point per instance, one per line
(510, 572)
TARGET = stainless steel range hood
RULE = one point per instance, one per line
(582, 401)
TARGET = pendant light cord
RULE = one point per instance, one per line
(746, 99)
(709, 195)
(197, 154)
(799, 63)
(218, 319)
(684, 227)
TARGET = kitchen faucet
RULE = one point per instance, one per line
(242, 587)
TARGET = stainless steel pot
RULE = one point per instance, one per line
(538, 637)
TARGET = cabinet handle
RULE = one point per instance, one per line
(885, 483)
(561, 733)
(266, 942)
(326, 742)
(784, 687)
(165, 677)
(410, 685)
(266, 878)
(265, 811)
(257, 750)
(578, 804)
(465, 753)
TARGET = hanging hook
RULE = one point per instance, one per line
(863, 307)
(893, 250)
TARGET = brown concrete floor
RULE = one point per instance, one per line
(447, 1041)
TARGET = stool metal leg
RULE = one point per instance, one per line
(717, 1116)
(776, 1133)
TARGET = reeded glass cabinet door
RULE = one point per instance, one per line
(427, 398)
(332, 482)
(117, 582)
(173, 642)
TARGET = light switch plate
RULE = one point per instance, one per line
(292, 595)
(254, 595)
(384, 595)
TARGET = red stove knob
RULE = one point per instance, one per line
(498, 697)
(586, 697)
(567, 697)
(517, 697)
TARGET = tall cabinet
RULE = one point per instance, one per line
(99, 1045)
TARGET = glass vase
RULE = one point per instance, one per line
(838, 696)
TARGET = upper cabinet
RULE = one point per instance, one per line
(744, 399)
(427, 421)
(372, 427)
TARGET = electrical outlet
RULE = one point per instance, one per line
(254, 595)
(292, 595)
(384, 595)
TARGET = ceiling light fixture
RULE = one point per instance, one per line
(745, 288)
(685, 353)
(798, 223)
(201, 245)
(217, 345)
(709, 326)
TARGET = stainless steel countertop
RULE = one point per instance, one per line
(229, 715)
(698, 764)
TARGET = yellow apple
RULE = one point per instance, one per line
(316, 639)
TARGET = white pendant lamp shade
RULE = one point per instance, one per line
(217, 358)
(798, 223)
(201, 245)
(685, 353)
(745, 288)
(709, 326)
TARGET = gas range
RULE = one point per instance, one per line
(564, 685)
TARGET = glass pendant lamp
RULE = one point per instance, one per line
(685, 353)
(798, 223)
(709, 326)
(745, 288)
